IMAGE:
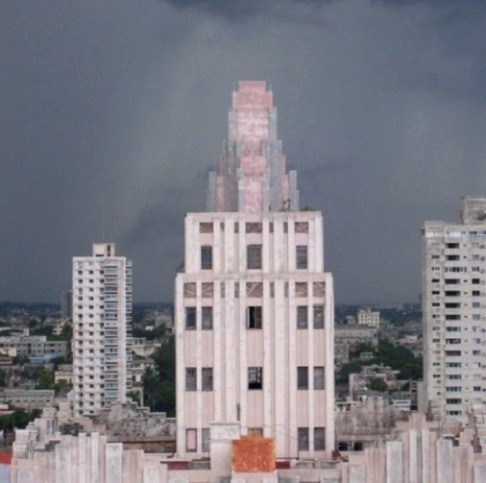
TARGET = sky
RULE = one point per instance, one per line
(112, 114)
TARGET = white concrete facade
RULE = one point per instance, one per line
(369, 317)
(254, 308)
(102, 311)
(454, 302)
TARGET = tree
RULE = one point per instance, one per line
(346, 370)
(377, 384)
(46, 379)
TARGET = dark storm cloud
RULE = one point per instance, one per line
(113, 113)
(245, 10)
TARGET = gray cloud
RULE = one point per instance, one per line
(112, 115)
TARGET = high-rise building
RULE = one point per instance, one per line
(454, 299)
(102, 311)
(254, 308)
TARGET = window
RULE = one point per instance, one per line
(318, 316)
(207, 378)
(255, 378)
(207, 318)
(206, 257)
(301, 256)
(191, 439)
(319, 377)
(303, 439)
(254, 256)
(206, 439)
(191, 379)
(302, 316)
(302, 378)
(254, 317)
(191, 318)
(319, 439)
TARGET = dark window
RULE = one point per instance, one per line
(254, 317)
(302, 378)
(206, 439)
(255, 378)
(303, 439)
(207, 378)
(318, 316)
(205, 227)
(206, 257)
(190, 318)
(302, 316)
(254, 256)
(319, 439)
(191, 379)
(191, 439)
(301, 256)
(207, 318)
(452, 281)
(319, 377)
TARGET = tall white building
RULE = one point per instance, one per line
(254, 308)
(454, 302)
(102, 317)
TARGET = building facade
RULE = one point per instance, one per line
(369, 317)
(254, 308)
(102, 311)
(454, 301)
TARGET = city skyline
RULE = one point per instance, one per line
(113, 115)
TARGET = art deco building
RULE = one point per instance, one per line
(254, 308)
(102, 311)
(454, 302)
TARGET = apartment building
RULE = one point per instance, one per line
(102, 311)
(254, 307)
(454, 302)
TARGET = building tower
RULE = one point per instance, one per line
(453, 301)
(102, 316)
(254, 308)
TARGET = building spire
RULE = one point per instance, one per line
(252, 175)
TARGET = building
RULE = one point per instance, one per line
(27, 398)
(254, 308)
(24, 345)
(396, 449)
(67, 304)
(369, 317)
(102, 311)
(454, 299)
(349, 337)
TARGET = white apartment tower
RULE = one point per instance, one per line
(454, 302)
(102, 316)
(254, 308)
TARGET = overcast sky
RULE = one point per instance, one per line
(112, 113)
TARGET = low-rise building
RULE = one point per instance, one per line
(27, 398)
(346, 337)
(369, 317)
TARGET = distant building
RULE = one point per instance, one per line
(254, 308)
(67, 304)
(347, 337)
(27, 398)
(453, 304)
(102, 319)
(33, 346)
(369, 317)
